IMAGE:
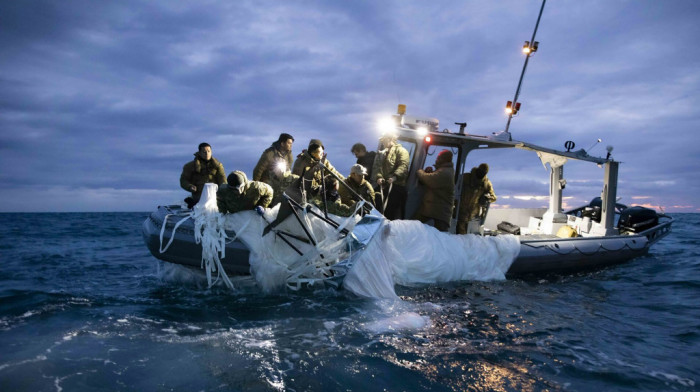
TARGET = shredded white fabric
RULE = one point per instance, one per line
(275, 264)
(209, 231)
(401, 252)
(172, 235)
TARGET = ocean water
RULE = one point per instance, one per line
(84, 306)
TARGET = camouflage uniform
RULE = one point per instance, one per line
(363, 189)
(267, 171)
(473, 189)
(307, 164)
(334, 207)
(199, 172)
(393, 163)
(255, 193)
(439, 196)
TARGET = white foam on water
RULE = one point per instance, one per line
(195, 277)
(686, 382)
(409, 321)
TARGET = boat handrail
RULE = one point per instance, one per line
(659, 231)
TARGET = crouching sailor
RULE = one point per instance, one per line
(240, 194)
(360, 187)
(333, 202)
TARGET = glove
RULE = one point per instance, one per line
(260, 210)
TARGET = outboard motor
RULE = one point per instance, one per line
(591, 212)
(598, 202)
(636, 219)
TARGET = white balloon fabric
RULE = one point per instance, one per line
(410, 253)
(401, 252)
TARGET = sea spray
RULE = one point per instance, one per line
(408, 321)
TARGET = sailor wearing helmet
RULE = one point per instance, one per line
(240, 194)
(359, 185)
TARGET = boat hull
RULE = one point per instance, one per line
(552, 255)
(575, 254)
(538, 255)
(183, 249)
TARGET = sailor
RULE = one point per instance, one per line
(360, 187)
(439, 195)
(306, 165)
(391, 170)
(274, 166)
(203, 169)
(365, 159)
(477, 194)
(333, 202)
(240, 194)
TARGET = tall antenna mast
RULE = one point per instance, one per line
(530, 47)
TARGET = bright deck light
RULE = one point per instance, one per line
(387, 125)
(422, 131)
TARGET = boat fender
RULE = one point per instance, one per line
(508, 228)
(566, 232)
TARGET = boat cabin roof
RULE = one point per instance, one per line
(472, 142)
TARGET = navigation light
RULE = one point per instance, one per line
(427, 139)
(509, 107)
(526, 47)
(422, 131)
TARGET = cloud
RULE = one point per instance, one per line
(100, 96)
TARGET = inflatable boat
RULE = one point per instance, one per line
(599, 234)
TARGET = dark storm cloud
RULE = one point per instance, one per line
(102, 103)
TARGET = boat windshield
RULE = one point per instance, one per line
(410, 146)
(433, 150)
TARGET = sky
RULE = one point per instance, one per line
(102, 103)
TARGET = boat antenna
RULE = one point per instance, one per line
(594, 144)
(530, 47)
